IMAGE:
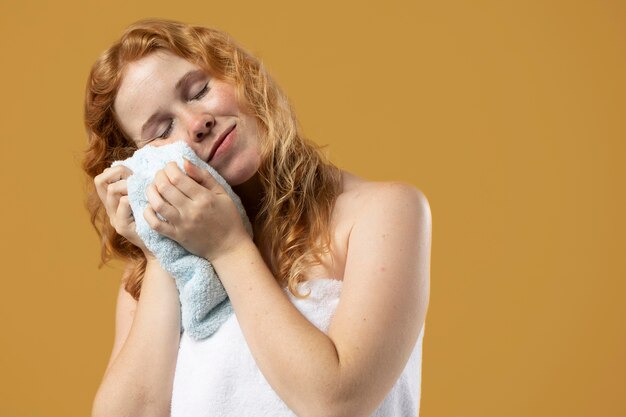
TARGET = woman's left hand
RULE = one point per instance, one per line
(200, 215)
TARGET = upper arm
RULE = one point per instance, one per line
(384, 296)
(124, 314)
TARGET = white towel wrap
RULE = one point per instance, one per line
(218, 376)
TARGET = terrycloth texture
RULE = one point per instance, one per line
(205, 306)
(218, 376)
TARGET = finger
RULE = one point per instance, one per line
(169, 191)
(112, 198)
(124, 216)
(182, 181)
(120, 187)
(157, 224)
(109, 176)
(201, 176)
(124, 211)
(128, 220)
(113, 193)
(160, 205)
(186, 184)
(114, 174)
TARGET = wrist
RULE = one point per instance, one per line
(232, 251)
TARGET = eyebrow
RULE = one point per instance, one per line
(183, 81)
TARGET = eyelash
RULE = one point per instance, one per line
(202, 92)
(198, 96)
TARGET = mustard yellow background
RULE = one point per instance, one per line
(508, 115)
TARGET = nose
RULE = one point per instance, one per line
(200, 125)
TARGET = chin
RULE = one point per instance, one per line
(236, 176)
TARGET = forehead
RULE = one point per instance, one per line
(145, 84)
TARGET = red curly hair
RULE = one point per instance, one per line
(300, 183)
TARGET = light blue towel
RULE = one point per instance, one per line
(204, 302)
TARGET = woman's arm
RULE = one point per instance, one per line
(381, 311)
(124, 313)
(139, 380)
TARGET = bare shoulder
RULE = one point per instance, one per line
(380, 208)
(360, 196)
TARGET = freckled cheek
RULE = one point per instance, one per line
(221, 107)
(227, 100)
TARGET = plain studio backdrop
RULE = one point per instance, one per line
(508, 115)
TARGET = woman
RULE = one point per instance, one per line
(313, 224)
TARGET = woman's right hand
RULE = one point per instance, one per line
(113, 192)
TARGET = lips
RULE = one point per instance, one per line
(220, 139)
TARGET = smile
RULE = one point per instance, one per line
(225, 144)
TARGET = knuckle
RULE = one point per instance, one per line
(147, 215)
(149, 190)
(150, 222)
(99, 180)
(156, 226)
(176, 178)
(159, 174)
(204, 201)
(195, 219)
(158, 205)
(110, 190)
(159, 183)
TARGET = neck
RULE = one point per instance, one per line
(250, 193)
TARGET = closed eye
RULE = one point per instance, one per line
(167, 131)
(202, 92)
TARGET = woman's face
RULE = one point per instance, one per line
(164, 98)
